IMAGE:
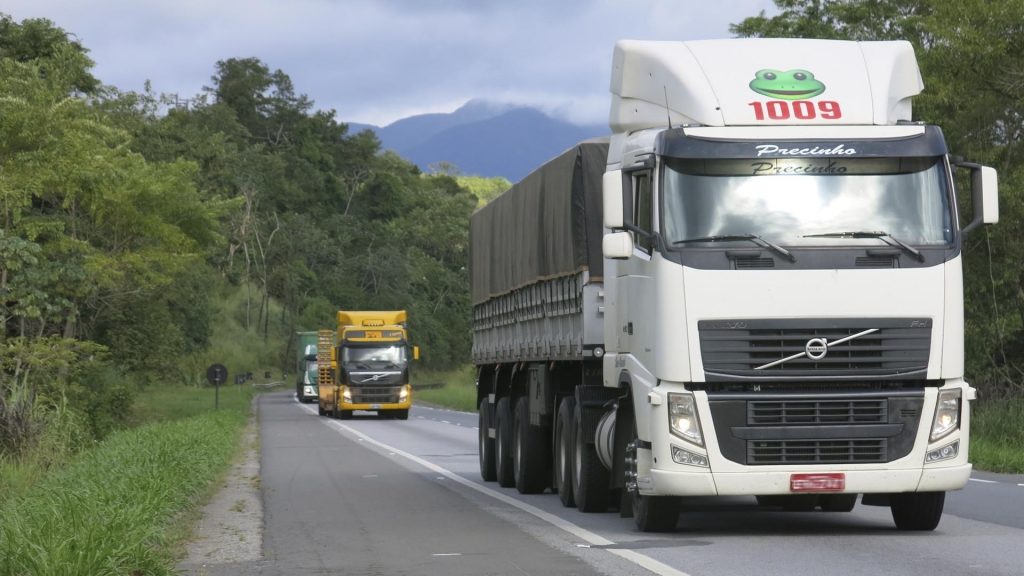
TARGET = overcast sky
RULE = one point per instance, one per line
(375, 61)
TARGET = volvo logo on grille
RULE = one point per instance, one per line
(816, 348)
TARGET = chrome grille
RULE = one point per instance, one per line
(747, 348)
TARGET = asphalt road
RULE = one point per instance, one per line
(368, 496)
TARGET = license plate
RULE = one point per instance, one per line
(374, 406)
(829, 482)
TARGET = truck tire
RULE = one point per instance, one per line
(503, 444)
(485, 419)
(343, 414)
(651, 513)
(655, 513)
(917, 510)
(400, 414)
(589, 477)
(320, 409)
(563, 451)
(529, 452)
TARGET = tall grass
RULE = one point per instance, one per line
(458, 393)
(110, 511)
(115, 508)
(997, 436)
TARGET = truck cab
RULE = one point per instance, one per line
(370, 366)
(785, 284)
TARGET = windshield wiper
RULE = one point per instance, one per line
(751, 237)
(883, 236)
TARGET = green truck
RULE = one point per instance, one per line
(306, 388)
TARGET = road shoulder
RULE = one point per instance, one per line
(228, 538)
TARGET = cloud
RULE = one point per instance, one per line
(379, 60)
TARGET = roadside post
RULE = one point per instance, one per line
(216, 374)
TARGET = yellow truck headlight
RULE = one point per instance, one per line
(346, 395)
(404, 394)
(947, 414)
(682, 418)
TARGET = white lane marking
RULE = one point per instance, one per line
(983, 481)
(582, 533)
(445, 421)
(448, 554)
(1021, 485)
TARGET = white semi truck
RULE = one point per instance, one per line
(754, 287)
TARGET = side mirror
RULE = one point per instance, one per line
(984, 194)
(611, 187)
(415, 352)
(617, 245)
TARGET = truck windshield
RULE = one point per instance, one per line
(806, 201)
(374, 357)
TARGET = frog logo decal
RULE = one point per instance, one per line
(788, 85)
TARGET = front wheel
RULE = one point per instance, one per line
(651, 513)
(919, 511)
(344, 414)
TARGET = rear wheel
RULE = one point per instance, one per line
(917, 510)
(485, 418)
(589, 476)
(320, 409)
(530, 452)
(503, 443)
(563, 451)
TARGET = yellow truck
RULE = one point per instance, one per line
(365, 365)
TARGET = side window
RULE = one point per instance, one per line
(642, 210)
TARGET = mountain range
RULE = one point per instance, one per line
(482, 138)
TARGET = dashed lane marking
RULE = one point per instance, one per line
(646, 562)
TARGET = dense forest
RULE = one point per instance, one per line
(127, 217)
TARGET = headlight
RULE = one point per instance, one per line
(947, 414)
(682, 418)
(404, 394)
(347, 395)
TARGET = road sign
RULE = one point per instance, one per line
(217, 374)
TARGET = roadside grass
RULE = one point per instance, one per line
(112, 510)
(458, 393)
(997, 436)
(174, 402)
(127, 504)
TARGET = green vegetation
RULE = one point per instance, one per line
(997, 436)
(458, 393)
(111, 510)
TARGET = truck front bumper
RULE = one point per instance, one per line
(768, 483)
